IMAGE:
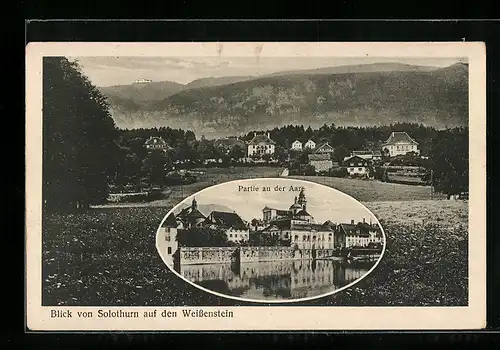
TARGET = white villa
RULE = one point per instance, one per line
(310, 144)
(260, 145)
(400, 143)
(297, 145)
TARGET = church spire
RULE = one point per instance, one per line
(302, 199)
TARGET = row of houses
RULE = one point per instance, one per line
(398, 143)
(294, 226)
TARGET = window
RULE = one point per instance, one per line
(167, 238)
(360, 169)
(169, 250)
(296, 237)
(304, 238)
(231, 235)
(351, 169)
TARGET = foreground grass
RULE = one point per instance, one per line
(107, 257)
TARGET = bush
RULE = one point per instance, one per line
(338, 172)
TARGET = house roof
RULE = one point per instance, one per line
(310, 141)
(169, 221)
(352, 229)
(228, 142)
(155, 141)
(324, 146)
(319, 156)
(356, 158)
(295, 206)
(278, 211)
(303, 212)
(287, 224)
(227, 219)
(261, 139)
(400, 137)
(297, 141)
(366, 153)
(329, 223)
(190, 214)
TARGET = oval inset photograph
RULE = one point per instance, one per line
(271, 240)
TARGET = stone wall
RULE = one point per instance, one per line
(211, 255)
(251, 254)
(206, 255)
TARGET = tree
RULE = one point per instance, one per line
(79, 138)
(155, 167)
(237, 152)
(340, 153)
(449, 161)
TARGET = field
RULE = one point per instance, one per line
(107, 257)
(212, 176)
(362, 190)
(372, 190)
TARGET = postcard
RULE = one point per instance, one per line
(245, 186)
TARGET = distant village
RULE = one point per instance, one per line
(291, 227)
(321, 160)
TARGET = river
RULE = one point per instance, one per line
(276, 280)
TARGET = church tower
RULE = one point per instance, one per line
(302, 201)
(296, 207)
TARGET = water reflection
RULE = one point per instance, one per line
(277, 279)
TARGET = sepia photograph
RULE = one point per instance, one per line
(153, 166)
(260, 241)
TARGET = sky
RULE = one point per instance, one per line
(109, 71)
(323, 203)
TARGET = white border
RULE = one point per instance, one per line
(269, 318)
(266, 301)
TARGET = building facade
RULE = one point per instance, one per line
(297, 145)
(298, 227)
(310, 144)
(156, 143)
(361, 234)
(261, 145)
(400, 143)
(368, 155)
(320, 162)
(143, 81)
(324, 148)
(231, 223)
(169, 231)
(228, 143)
(190, 216)
(357, 166)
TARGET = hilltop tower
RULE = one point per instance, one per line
(194, 204)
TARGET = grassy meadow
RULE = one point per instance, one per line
(362, 190)
(107, 257)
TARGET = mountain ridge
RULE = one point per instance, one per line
(435, 97)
